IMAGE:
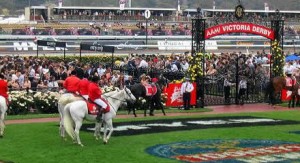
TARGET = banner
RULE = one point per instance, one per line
(184, 45)
(174, 97)
(239, 28)
(98, 48)
(286, 95)
(51, 43)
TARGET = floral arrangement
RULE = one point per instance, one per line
(278, 58)
(196, 68)
(46, 102)
(20, 102)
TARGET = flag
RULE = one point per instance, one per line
(122, 4)
(266, 7)
(214, 5)
(60, 3)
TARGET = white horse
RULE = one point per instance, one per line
(62, 102)
(3, 109)
(76, 111)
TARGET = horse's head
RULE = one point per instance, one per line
(162, 81)
(128, 95)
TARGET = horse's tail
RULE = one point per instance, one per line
(68, 122)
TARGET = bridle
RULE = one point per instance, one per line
(125, 89)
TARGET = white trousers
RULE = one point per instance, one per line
(86, 97)
(100, 103)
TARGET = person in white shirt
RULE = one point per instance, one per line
(101, 70)
(185, 65)
(143, 63)
(242, 89)
(186, 89)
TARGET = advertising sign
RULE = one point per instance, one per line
(174, 98)
(239, 28)
(184, 45)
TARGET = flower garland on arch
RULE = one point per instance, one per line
(196, 68)
(278, 58)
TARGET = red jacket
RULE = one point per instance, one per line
(94, 91)
(3, 89)
(83, 87)
(71, 83)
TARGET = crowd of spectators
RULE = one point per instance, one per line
(41, 73)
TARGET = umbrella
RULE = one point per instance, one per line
(292, 58)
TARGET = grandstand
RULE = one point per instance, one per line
(106, 21)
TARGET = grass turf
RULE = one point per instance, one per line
(27, 143)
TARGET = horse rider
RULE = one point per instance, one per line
(145, 80)
(290, 80)
(94, 93)
(71, 83)
(3, 88)
(83, 88)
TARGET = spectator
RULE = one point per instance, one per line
(186, 90)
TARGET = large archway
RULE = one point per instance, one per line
(200, 32)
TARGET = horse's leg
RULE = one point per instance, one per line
(111, 129)
(297, 99)
(151, 108)
(133, 109)
(293, 100)
(146, 107)
(160, 105)
(2, 125)
(97, 132)
(61, 123)
(78, 124)
(104, 132)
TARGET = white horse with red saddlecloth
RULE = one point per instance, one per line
(75, 112)
(3, 109)
(62, 102)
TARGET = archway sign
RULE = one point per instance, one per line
(200, 33)
(239, 27)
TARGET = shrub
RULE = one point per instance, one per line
(20, 102)
(46, 102)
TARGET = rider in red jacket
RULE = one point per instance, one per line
(83, 88)
(71, 83)
(95, 93)
(3, 87)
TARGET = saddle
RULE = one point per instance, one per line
(93, 108)
(289, 82)
(151, 89)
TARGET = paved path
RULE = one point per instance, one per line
(222, 109)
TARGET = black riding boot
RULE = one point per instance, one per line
(99, 115)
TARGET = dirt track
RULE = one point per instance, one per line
(216, 110)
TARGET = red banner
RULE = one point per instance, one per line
(174, 98)
(239, 28)
(285, 95)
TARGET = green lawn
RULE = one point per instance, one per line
(40, 143)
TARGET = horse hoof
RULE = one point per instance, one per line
(1, 136)
(151, 114)
(135, 115)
